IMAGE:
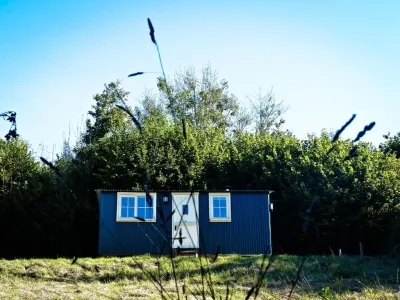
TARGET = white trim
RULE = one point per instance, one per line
(185, 193)
(195, 224)
(195, 195)
(211, 207)
(136, 195)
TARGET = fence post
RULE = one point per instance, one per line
(361, 249)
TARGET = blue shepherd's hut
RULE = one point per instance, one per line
(227, 221)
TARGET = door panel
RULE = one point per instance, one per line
(185, 230)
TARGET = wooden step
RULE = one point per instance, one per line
(187, 251)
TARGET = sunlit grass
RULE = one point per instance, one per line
(323, 277)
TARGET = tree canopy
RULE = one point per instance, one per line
(195, 134)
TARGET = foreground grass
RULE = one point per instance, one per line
(120, 278)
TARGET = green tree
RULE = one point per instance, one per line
(106, 116)
(391, 144)
(267, 111)
(202, 102)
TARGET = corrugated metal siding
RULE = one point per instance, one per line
(247, 233)
(186, 191)
(249, 229)
(128, 238)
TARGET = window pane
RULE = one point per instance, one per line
(216, 202)
(141, 212)
(124, 201)
(149, 213)
(124, 212)
(141, 201)
(223, 212)
(131, 202)
(130, 212)
(222, 202)
(185, 209)
(216, 212)
(149, 202)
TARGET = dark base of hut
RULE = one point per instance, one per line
(185, 252)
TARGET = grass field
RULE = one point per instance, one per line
(322, 277)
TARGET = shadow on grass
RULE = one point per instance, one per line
(321, 274)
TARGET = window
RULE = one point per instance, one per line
(144, 210)
(133, 207)
(127, 207)
(220, 207)
(185, 209)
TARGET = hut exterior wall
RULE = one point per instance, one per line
(248, 232)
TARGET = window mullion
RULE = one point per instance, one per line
(136, 206)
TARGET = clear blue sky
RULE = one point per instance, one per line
(327, 59)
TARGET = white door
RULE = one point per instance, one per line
(185, 229)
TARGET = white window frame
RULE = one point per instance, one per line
(136, 195)
(211, 207)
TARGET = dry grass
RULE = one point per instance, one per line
(120, 278)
